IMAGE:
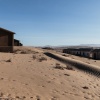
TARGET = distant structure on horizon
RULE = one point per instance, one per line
(6, 40)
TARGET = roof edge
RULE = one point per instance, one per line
(7, 30)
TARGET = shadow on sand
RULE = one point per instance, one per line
(81, 66)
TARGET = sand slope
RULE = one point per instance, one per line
(28, 74)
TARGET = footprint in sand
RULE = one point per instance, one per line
(26, 84)
(48, 81)
(45, 75)
(23, 97)
(97, 84)
(43, 86)
(94, 86)
(53, 78)
(61, 83)
(17, 97)
(87, 96)
(84, 92)
(67, 74)
(1, 94)
(70, 93)
(85, 87)
(1, 78)
(54, 98)
(38, 98)
(31, 97)
(90, 84)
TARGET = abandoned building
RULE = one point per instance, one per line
(6, 40)
(16, 42)
(95, 54)
(20, 44)
(84, 52)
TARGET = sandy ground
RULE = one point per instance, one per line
(28, 74)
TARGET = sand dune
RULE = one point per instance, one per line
(28, 74)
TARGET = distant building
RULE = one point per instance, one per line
(20, 44)
(6, 40)
(84, 52)
(16, 42)
(95, 54)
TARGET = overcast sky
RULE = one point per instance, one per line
(52, 22)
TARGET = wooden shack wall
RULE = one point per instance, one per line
(6, 41)
(3, 40)
(10, 40)
(15, 43)
(6, 49)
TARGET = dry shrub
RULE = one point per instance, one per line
(34, 57)
(42, 59)
(23, 52)
(85, 87)
(66, 55)
(69, 67)
(58, 66)
(67, 74)
(17, 51)
(36, 52)
(1, 94)
(31, 51)
(9, 60)
(28, 52)
(63, 55)
(87, 62)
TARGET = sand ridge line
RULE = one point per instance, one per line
(91, 69)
